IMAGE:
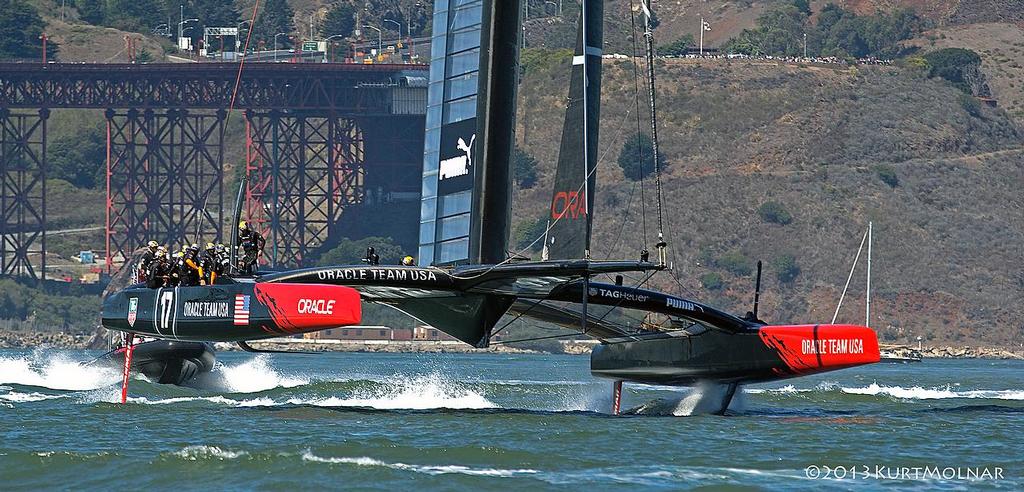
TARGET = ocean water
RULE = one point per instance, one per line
(496, 422)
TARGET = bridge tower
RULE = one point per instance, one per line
(305, 169)
(164, 179)
(23, 193)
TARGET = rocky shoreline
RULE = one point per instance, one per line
(25, 339)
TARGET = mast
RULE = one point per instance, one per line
(649, 47)
(499, 54)
(593, 40)
(867, 302)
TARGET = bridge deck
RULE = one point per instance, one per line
(358, 89)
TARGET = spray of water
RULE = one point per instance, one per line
(252, 376)
(703, 399)
(421, 392)
(55, 371)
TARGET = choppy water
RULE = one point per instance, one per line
(469, 422)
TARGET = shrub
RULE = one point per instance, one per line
(677, 47)
(955, 65)
(887, 174)
(735, 262)
(775, 213)
(524, 168)
(786, 269)
(527, 231)
(630, 160)
(711, 281)
(352, 251)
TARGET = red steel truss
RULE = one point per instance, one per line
(164, 179)
(304, 172)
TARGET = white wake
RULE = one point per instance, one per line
(251, 376)
(55, 371)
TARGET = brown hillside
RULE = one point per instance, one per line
(737, 134)
(1001, 47)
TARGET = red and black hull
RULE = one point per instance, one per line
(244, 310)
(760, 354)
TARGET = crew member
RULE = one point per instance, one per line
(176, 265)
(408, 261)
(159, 274)
(211, 264)
(146, 263)
(371, 258)
(189, 267)
(252, 244)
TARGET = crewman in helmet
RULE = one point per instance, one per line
(159, 274)
(252, 244)
(211, 264)
(191, 270)
(146, 262)
(408, 261)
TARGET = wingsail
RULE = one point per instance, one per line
(572, 200)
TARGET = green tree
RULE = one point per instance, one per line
(775, 213)
(635, 168)
(735, 262)
(277, 16)
(212, 13)
(143, 56)
(20, 29)
(524, 168)
(528, 231)
(91, 11)
(677, 47)
(804, 6)
(340, 20)
(352, 251)
(712, 281)
(786, 269)
(887, 174)
(77, 157)
(954, 65)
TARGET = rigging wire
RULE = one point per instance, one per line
(649, 42)
(636, 104)
(241, 62)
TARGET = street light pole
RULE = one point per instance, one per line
(275, 43)
(805, 45)
(327, 46)
(238, 35)
(397, 24)
(380, 42)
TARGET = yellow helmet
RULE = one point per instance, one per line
(152, 244)
(243, 225)
(408, 261)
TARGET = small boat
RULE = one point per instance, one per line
(892, 357)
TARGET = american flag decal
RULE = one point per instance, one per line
(241, 310)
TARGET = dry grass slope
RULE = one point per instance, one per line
(948, 250)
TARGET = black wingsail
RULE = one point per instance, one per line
(572, 201)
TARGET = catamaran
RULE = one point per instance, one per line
(677, 341)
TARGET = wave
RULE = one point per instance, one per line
(203, 453)
(937, 393)
(426, 469)
(423, 392)
(251, 376)
(16, 397)
(55, 371)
